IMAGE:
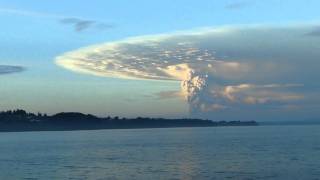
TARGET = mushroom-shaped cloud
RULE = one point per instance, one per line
(7, 69)
(218, 67)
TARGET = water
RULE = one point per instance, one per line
(264, 152)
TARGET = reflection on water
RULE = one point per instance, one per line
(264, 152)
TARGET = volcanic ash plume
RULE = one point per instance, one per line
(219, 68)
(196, 90)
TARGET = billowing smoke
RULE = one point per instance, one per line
(218, 68)
(196, 91)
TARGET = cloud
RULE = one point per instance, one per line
(260, 94)
(81, 25)
(6, 69)
(203, 94)
(212, 107)
(169, 95)
(220, 69)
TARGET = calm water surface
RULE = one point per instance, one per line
(264, 152)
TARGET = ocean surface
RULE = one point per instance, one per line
(263, 152)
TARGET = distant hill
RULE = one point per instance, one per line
(20, 120)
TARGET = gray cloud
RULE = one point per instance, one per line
(227, 69)
(168, 95)
(6, 69)
(81, 25)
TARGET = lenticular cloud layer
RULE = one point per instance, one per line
(219, 68)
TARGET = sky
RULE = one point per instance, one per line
(221, 60)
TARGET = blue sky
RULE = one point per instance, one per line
(33, 35)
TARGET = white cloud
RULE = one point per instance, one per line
(260, 94)
(219, 68)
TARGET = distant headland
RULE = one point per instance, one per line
(20, 120)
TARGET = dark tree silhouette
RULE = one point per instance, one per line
(20, 120)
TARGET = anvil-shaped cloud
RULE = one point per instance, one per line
(6, 69)
(219, 68)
